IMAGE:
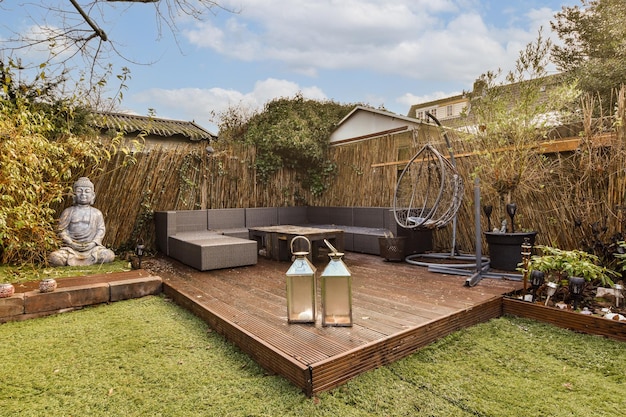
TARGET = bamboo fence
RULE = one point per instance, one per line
(585, 192)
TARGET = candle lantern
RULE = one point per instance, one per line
(336, 291)
(301, 287)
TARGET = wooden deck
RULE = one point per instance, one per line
(397, 309)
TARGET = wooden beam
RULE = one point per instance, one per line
(552, 146)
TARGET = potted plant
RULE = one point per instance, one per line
(511, 116)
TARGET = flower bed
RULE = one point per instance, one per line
(565, 318)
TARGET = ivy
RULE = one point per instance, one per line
(292, 133)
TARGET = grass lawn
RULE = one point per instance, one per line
(25, 273)
(148, 357)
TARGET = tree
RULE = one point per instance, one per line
(511, 116)
(594, 46)
(45, 141)
(68, 30)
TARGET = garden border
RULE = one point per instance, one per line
(570, 320)
(77, 292)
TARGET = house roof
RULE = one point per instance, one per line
(377, 111)
(435, 103)
(364, 123)
(131, 123)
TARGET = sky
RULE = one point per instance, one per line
(387, 54)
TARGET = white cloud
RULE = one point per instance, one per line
(46, 42)
(200, 103)
(420, 39)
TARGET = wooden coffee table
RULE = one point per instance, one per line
(276, 240)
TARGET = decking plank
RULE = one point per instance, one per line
(397, 309)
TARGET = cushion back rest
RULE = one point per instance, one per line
(292, 215)
(317, 215)
(230, 218)
(191, 220)
(341, 216)
(369, 217)
(261, 216)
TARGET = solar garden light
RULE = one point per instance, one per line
(619, 293)
(336, 291)
(536, 280)
(140, 251)
(488, 210)
(552, 286)
(511, 209)
(576, 285)
(301, 286)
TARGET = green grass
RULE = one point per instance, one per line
(25, 273)
(148, 357)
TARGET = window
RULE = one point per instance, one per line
(434, 112)
(420, 114)
(449, 111)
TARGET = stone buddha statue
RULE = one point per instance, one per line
(81, 228)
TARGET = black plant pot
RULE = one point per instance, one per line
(505, 249)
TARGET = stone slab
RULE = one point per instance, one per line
(63, 298)
(11, 306)
(135, 288)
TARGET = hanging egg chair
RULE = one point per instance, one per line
(429, 191)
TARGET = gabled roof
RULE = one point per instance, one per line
(364, 123)
(435, 103)
(377, 111)
(131, 123)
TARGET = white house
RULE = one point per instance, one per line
(364, 123)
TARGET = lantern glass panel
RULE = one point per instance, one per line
(337, 302)
(301, 287)
(336, 293)
(301, 299)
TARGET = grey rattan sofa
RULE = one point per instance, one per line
(193, 236)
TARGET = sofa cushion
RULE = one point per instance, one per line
(261, 216)
(340, 216)
(230, 218)
(213, 252)
(191, 220)
(292, 215)
(369, 217)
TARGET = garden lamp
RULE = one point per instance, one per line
(301, 287)
(576, 285)
(336, 291)
(487, 210)
(619, 293)
(551, 289)
(140, 252)
(536, 280)
(511, 209)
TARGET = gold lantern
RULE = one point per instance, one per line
(336, 291)
(301, 287)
